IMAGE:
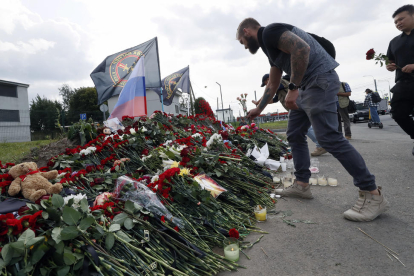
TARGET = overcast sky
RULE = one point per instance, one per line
(46, 43)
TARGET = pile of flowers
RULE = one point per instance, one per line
(138, 203)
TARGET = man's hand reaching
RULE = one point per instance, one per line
(290, 99)
(253, 113)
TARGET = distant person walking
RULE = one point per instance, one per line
(343, 102)
(373, 107)
(401, 56)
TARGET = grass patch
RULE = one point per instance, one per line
(13, 152)
(275, 125)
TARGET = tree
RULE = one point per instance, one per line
(44, 113)
(66, 92)
(84, 100)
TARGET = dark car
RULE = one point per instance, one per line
(362, 113)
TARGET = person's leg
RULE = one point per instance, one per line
(339, 119)
(401, 107)
(298, 126)
(374, 114)
(319, 102)
(347, 123)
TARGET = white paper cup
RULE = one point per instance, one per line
(283, 165)
(282, 159)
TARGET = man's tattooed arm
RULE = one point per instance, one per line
(299, 55)
(271, 88)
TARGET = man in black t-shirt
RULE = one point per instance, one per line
(401, 56)
(311, 98)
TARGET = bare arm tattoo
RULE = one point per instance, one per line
(267, 95)
(299, 55)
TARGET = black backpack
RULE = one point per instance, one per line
(326, 44)
(375, 97)
(352, 107)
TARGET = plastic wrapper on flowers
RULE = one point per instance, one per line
(137, 192)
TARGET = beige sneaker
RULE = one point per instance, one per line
(348, 137)
(295, 190)
(368, 207)
(318, 151)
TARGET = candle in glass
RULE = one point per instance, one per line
(322, 181)
(283, 165)
(332, 181)
(313, 181)
(231, 249)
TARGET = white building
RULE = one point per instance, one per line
(225, 115)
(14, 112)
(154, 104)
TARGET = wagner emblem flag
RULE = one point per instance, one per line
(170, 84)
(111, 76)
(132, 100)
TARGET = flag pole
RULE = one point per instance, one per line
(162, 100)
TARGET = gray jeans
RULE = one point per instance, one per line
(317, 106)
(343, 113)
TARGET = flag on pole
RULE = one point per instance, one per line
(170, 84)
(111, 75)
(132, 100)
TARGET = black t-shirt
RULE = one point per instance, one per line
(319, 60)
(401, 51)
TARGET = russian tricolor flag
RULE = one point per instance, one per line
(132, 100)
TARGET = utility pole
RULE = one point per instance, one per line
(221, 96)
(255, 95)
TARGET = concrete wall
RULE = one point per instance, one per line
(154, 104)
(16, 131)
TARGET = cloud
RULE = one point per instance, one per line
(33, 49)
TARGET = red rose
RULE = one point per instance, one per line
(45, 197)
(22, 210)
(370, 54)
(233, 233)
(145, 152)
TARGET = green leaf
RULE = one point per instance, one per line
(69, 259)
(27, 236)
(53, 214)
(2, 264)
(57, 201)
(18, 248)
(45, 215)
(114, 227)
(43, 271)
(7, 253)
(123, 236)
(59, 247)
(120, 218)
(56, 234)
(109, 241)
(129, 206)
(69, 233)
(70, 215)
(128, 224)
(84, 205)
(78, 265)
(35, 240)
(86, 222)
(38, 253)
(63, 271)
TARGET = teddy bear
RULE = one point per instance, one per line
(33, 183)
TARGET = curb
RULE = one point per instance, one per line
(279, 130)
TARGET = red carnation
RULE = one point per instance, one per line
(163, 219)
(370, 54)
(177, 229)
(233, 233)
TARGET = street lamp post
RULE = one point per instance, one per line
(389, 87)
(375, 82)
(221, 100)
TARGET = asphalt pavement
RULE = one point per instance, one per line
(332, 245)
